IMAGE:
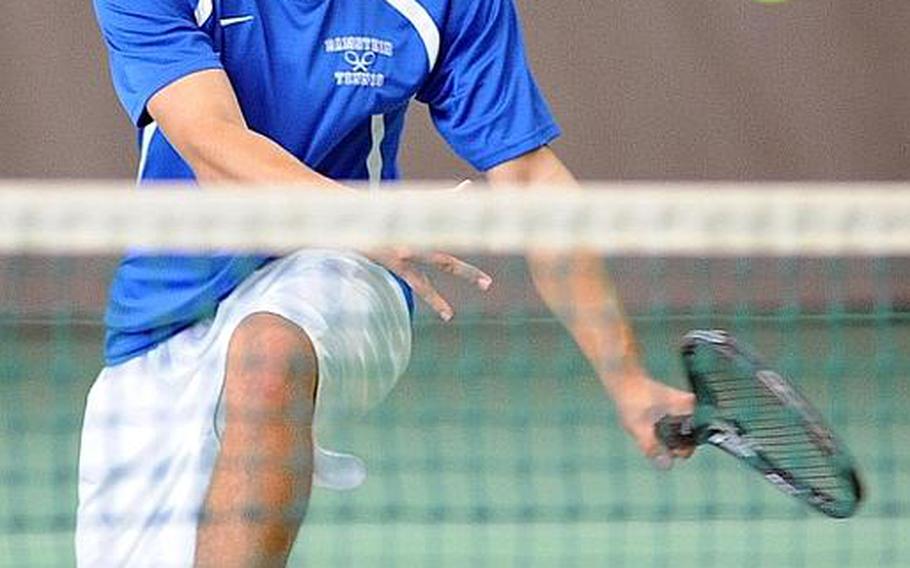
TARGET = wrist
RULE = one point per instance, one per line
(621, 378)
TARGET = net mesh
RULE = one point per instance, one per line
(497, 446)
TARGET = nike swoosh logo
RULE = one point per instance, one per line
(225, 22)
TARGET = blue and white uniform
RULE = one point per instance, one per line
(330, 81)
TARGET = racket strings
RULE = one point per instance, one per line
(777, 430)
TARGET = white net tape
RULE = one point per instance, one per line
(702, 220)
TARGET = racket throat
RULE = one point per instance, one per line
(728, 437)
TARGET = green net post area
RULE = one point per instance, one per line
(498, 447)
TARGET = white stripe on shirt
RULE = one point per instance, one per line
(423, 23)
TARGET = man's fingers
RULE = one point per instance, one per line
(425, 289)
(404, 263)
(684, 404)
(681, 453)
(655, 451)
(648, 443)
(457, 267)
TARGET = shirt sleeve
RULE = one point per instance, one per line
(482, 95)
(153, 43)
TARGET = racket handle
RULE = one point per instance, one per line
(676, 432)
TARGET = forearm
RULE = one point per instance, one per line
(232, 152)
(577, 288)
(202, 119)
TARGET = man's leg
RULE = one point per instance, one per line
(261, 482)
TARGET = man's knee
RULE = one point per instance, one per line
(271, 362)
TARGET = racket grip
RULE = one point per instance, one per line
(676, 432)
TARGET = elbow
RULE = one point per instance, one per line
(202, 147)
(540, 166)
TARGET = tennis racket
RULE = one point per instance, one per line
(754, 414)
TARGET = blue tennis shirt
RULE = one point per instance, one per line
(328, 80)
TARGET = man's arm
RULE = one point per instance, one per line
(202, 119)
(579, 292)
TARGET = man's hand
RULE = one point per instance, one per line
(407, 264)
(641, 402)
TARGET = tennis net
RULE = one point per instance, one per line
(497, 446)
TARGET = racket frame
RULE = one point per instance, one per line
(708, 426)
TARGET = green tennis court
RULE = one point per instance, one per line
(498, 448)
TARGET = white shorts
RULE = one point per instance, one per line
(150, 436)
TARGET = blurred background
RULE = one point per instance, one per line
(726, 89)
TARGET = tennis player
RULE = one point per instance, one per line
(198, 444)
